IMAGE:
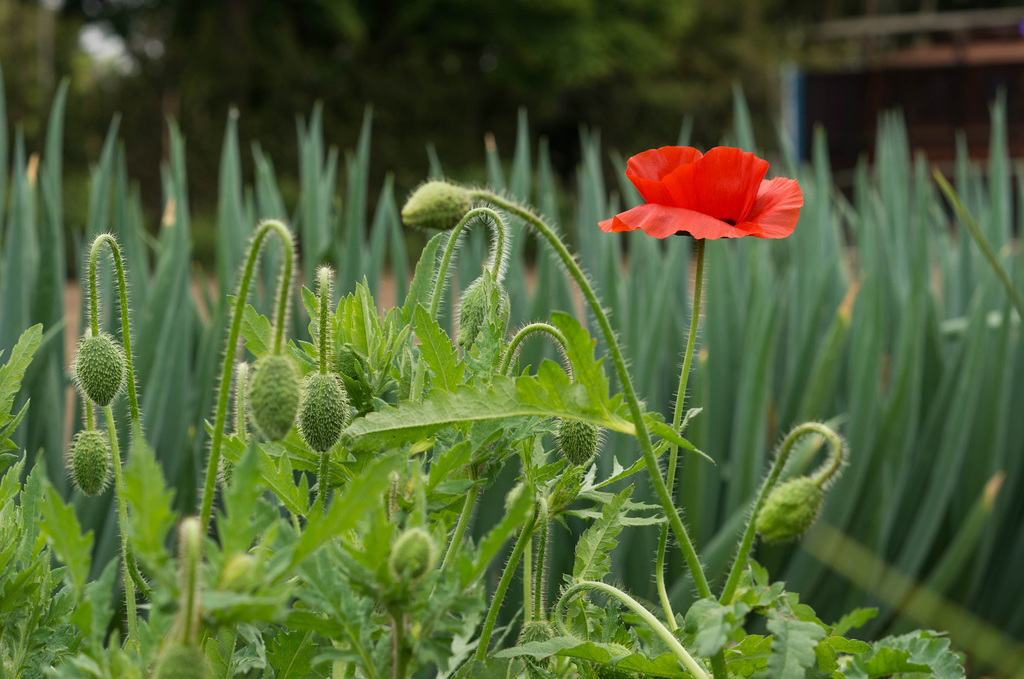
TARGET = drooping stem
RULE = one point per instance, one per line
(122, 520)
(642, 434)
(688, 661)
(460, 527)
(677, 418)
(526, 331)
(449, 250)
(126, 335)
(499, 592)
(288, 245)
(542, 540)
(747, 541)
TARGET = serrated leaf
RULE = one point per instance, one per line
(659, 428)
(592, 561)
(921, 651)
(62, 531)
(708, 621)
(291, 654)
(256, 329)
(858, 617)
(12, 372)
(146, 492)
(749, 656)
(792, 646)
(665, 665)
(579, 350)
(849, 646)
(438, 352)
(422, 284)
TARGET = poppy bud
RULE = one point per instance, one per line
(274, 396)
(436, 205)
(239, 572)
(413, 555)
(90, 461)
(323, 411)
(537, 630)
(604, 671)
(181, 661)
(790, 509)
(99, 368)
(474, 308)
(578, 441)
(348, 362)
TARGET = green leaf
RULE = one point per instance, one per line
(437, 350)
(579, 349)
(708, 621)
(749, 656)
(61, 529)
(422, 285)
(13, 371)
(922, 651)
(665, 665)
(592, 560)
(151, 515)
(291, 654)
(858, 617)
(849, 646)
(256, 329)
(792, 646)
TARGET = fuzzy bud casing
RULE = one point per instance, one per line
(578, 441)
(89, 461)
(323, 411)
(181, 661)
(274, 395)
(436, 205)
(537, 630)
(790, 509)
(413, 555)
(99, 368)
(474, 307)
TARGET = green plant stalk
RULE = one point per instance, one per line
(324, 292)
(241, 376)
(747, 541)
(688, 661)
(650, 460)
(449, 251)
(538, 587)
(460, 527)
(528, 581)
(288, 245)
(677, 418)
(122, 518)
(499, 592)
(191, 538)
(524, 332)
(979, 239)
(399, 658)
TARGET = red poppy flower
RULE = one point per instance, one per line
(719, 194)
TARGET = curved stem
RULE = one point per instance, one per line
(223, 387)
(523, 333)
(650, 459)
(773, 476)
(691, 665)
(122, 518)
(499, 592)
(677, 418)
(460, 527)
(449, 250)
(542, 540)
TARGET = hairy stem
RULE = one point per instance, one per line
(650, 459)
(460, 527)
(747, 541)
(677, 418)
(691, 665)
(449, 250)
(542, 541)
(324, 293)
(499, 592)
(122, 519)
(223, 387)
(241, 376)
(526, 331)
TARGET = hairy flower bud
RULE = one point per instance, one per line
(537, 630)
(274, 396)
(790, 509)
(474, 308)
(181, 661)
(578, 441)
(413, 555)
(323, 411)
(436, 205)
(90, 461)
(99, 368)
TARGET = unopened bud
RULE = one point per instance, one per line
(436, 205)
(791, 508)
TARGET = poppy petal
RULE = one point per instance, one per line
(662, 221)
(777, 207)
(723, 184)
(647, 169)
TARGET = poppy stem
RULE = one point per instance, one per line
(449, 250)
(642, 434)
(513, 346)
(677, 418)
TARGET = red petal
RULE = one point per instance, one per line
(723, 184)
(647, 169)
(777, 207)
(662, 221)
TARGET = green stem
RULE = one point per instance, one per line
(191, 539)
(781, 456)
(981, 241)
(400, 658)
(691, 665)
(524, 332)
(241, 375)
(223, 387)
(449, 250)
(122, 517)
(460, 527)
(323, 479)
(324, 292)
(677, 418)
(538, 587)
(499, 592)
(528, 581)
(650, 459)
